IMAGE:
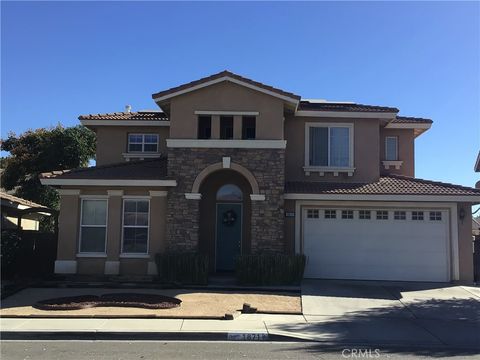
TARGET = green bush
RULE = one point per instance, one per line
(184, 268)
(10, 250)
(270, 269)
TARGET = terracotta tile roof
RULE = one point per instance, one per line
(220, 75)
(155, 169)
(411, 120)
(141, 115)
(11, 198)
(331, 106)
(388, 185)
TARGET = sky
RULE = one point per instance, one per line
(63, 59)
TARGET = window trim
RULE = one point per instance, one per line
(141, 198)
(396, 148)
(143, 143)
(92, 253)
(335, 169)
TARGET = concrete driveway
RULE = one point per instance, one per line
(389, 312)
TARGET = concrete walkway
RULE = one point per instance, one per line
(334, 312)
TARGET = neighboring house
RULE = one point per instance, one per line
(232, 166)
(475, 227)
(12, 205)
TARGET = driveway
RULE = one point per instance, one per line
(377, 313)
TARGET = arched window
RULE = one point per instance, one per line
(229, 192)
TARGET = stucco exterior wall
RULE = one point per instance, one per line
(406, 151)
(112, 141)
(465, 245)
(366, 145)
(113, 263)
(225, 96)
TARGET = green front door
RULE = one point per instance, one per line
(229, 235)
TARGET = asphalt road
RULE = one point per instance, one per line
(119, 350)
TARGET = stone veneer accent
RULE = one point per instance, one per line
(268, 167)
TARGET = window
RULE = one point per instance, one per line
(313, 213)
(330, 214)
(93, 226)
(391, 148)
(417, 215)
(347, 214)
(142, 142)
(229, 192)
(226, 127)
(248, 127)
(435, 215)
(204, 127)
(364, 214)
(399, 215)
(135, 226)
(382, 215)
(329, 146)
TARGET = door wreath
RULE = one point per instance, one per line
(229, 217)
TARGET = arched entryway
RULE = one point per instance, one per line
(225, 218)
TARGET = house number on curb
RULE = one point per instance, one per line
(247, 336)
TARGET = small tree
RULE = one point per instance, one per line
(43, 150)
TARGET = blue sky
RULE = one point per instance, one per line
(63, 59)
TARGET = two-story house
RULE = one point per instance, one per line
(232, 166)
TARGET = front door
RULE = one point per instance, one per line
(229, 235)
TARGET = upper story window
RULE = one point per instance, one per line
(226, 127)
(329, 145)
(391, 148)
(248, 127)
(142, 142)
(204, 127)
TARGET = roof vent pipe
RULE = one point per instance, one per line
(128, 108)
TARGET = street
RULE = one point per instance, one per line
(119, 350)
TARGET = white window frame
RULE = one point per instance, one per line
(435, 218)
(142, 143)
(396, 148)
(321, 169)
(130, 198)
(379, 215)
(346, 213)
(93, 198)
(364, 215)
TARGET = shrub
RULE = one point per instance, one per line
(11, 248)
(184, 268)
(270, 269)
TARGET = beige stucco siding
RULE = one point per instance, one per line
(69, 228)
(365, 144)
(465, 245)
(226, 96)
(406, 144)
(289, 235)
(112, 141)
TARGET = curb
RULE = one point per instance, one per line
(136, 336)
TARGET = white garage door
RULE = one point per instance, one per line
(384, 244)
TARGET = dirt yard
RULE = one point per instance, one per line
(195, 303)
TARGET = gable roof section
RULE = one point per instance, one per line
(20, 201)
(225, 76)
(306, 105)
(394, 185)
(133, 173)
(140, 115)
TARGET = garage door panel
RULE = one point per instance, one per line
(377, 249)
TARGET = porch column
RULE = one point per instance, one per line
(68, 228)
(158, 216)
(237, 127)
(215, 126)
(114, 232)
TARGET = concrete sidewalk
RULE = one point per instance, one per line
(256, 327)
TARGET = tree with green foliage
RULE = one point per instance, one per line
(43, 150)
